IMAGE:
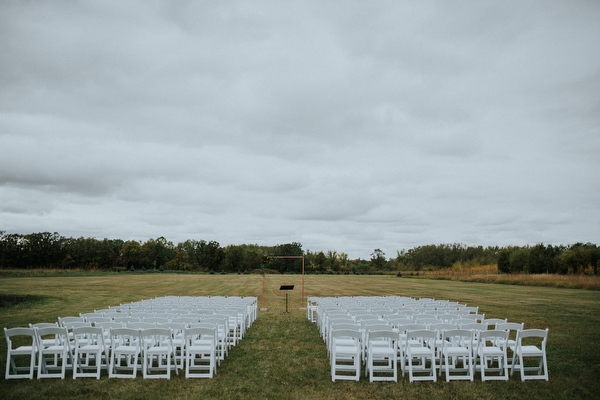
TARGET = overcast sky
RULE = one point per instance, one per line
(342, 125)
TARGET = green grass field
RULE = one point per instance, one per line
(282, 355)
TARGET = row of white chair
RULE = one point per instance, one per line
(384, 340)
(91, 333)
(88, 350)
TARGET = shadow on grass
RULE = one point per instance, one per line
(15, 300)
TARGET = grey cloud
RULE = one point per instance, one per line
(382, 126)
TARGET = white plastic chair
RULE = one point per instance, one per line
(457, 347)
(382, 352)
(57, 347)
(420, 346)
(90, 352)
(125, 351)
(222, 330)
(200, 347)
(13, 368)
(513, 328)
(525, 352)
(492, 348)
(346, 358)
(158, 353)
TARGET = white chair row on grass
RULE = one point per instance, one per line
(87, 351)
(125, 343)
(387, 305)
(426, 346)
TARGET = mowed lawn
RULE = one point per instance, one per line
(282, 355)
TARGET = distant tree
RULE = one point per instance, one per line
(234, 260)
(378, 261)
(504, 261)
(288, 265)
(320, 261)
(211, 255)
(518, 259)
(333, 260)
(132, 255)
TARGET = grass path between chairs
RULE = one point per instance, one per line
(283, 356)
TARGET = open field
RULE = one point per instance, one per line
(283, 356)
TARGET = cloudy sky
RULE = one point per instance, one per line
(342, 125)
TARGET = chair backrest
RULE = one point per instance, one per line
(108, 325)
(476, 317)
(459, 321)
(124, 336)
(441, 327)
(494, 336)
(493, 322)
(60, 334)
(208, 325)
(43, 324)
(347, 333)
(156, 337)
(410, 327)
(377, 327)
(533, 333)
(476, 326)
(425, 334)
(510, 326)
(458, 337)
(384, 334)
(71, 325)
(397, 321)
(155, 320)
(67, 320)
(141, 325)
(87, 335)
(204, 332)
(96, 319)
(12, 332)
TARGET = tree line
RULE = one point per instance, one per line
(51, 250)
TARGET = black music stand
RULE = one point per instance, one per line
(286, 288)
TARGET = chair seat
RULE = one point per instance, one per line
(531, 351)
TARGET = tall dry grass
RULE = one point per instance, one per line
(490, 274)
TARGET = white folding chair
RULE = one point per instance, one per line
(382, 353)
(222, 330)
(90, 352)
(125, 352)
(420, 348)
(457, 354)
(53, 342)
(526, 352)
(158, 353)
(492, 349)
(200, 347)
(513, 328)
(346, 358)
(14, 367)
